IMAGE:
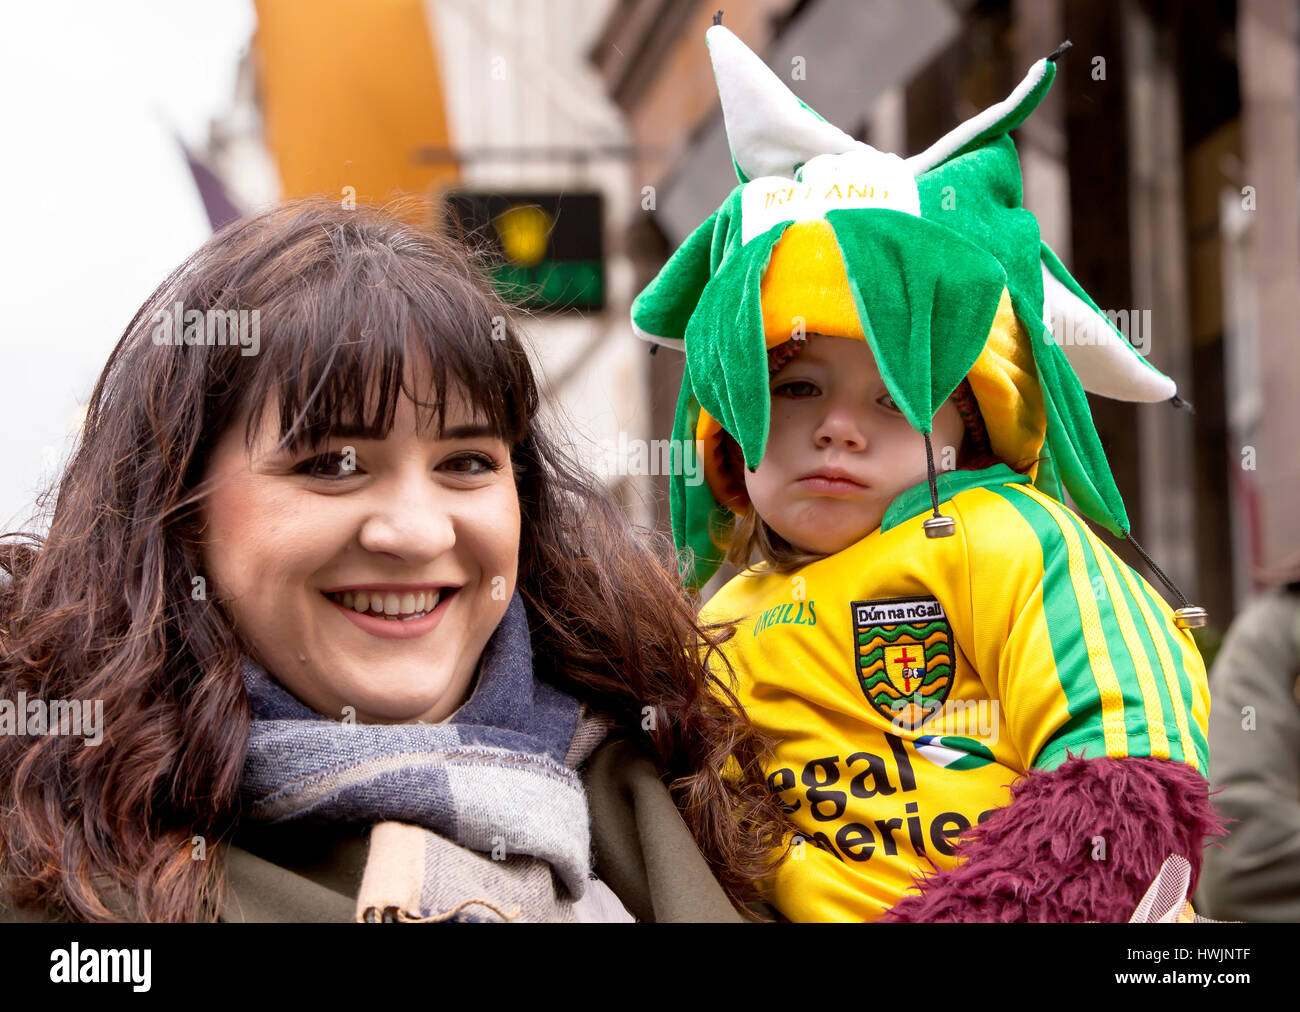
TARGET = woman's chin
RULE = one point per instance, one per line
(395, 704)
(387, 714)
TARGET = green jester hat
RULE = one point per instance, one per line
(938, 255)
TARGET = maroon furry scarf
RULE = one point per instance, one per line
(1033, 859)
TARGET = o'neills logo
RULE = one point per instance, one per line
(903, 648)
(180, 326)
(77, 717)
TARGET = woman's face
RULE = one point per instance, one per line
(420, 525)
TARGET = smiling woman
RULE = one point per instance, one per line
(354, 618)
(374, 585)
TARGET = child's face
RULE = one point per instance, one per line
(838, 451)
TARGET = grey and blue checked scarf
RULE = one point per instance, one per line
(478, 810)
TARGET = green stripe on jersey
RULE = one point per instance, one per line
(1064, 621)
(1199, 742)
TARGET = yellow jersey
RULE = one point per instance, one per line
(909, 681)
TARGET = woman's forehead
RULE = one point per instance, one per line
(453, 401)
(461, 416)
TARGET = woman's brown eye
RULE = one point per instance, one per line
(328, 465)
(484, 464)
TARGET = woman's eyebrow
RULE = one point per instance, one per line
(468, 432)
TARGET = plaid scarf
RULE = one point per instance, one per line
(472, 815)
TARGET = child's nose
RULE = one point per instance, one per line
(841, 427)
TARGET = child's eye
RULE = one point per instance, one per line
(797, 388)
(330, 466)
(885, 401)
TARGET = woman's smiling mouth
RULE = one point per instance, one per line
(393, 614)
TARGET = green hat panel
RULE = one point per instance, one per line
(726, 352)
(1077, 452)
(663, 310)
(660, 313)
(696, 515)
(1102, 370)
(1047, 479)
(926, 299)
(978, 195)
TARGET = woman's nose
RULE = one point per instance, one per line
(411, 519)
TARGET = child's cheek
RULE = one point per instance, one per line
(792, 419)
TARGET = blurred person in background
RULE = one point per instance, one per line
(1254, 875)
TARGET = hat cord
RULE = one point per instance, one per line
(1157, 570)
(929, 467)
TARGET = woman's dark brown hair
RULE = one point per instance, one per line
(101, 606)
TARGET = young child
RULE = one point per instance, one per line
(961, 678)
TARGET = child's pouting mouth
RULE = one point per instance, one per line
(832, 481)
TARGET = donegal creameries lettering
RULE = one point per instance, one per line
(826, 786)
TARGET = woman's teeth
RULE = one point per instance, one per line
(392, 606)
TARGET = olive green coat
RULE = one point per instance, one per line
(643, 851)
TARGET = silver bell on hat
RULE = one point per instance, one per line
(1191, 617)
(939, 526)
